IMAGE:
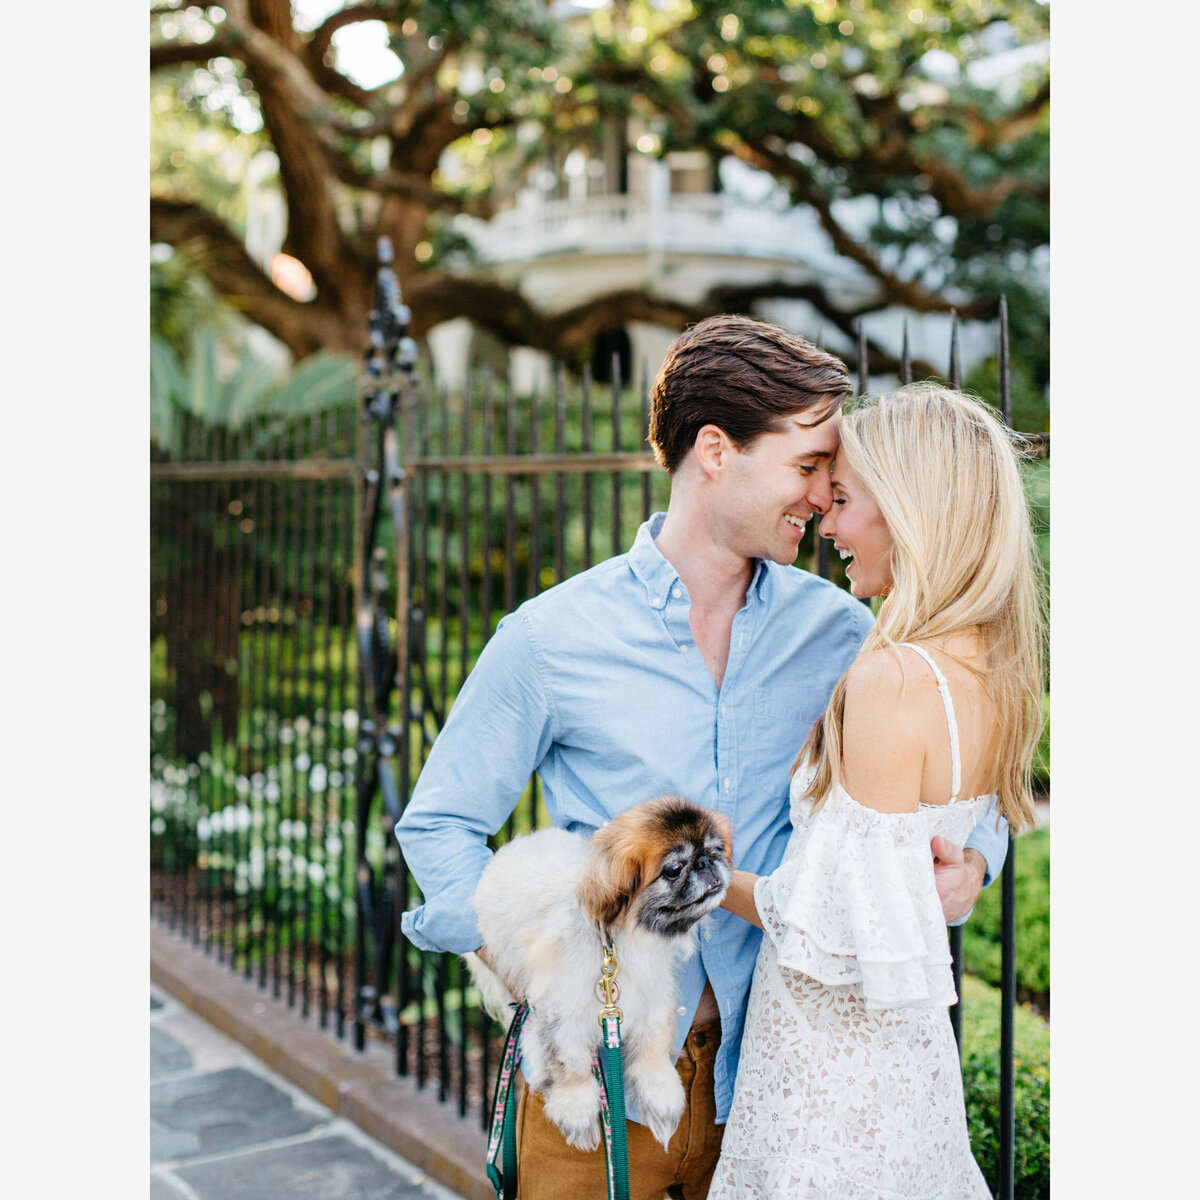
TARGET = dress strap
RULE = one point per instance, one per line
(944, 688)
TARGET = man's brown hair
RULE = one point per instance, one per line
(743, 375)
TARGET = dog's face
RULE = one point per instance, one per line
(661, 865)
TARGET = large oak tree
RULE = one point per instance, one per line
(835, 100)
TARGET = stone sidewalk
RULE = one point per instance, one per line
(225, 1127)
(281, 1110)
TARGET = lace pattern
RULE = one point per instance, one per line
(849, 1086)
(854, 900)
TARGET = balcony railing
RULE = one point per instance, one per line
(710, 224)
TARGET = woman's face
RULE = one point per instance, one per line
(858, 532)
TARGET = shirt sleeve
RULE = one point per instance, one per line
(991, 842)
(497, 733)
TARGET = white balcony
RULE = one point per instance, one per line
(655, 225)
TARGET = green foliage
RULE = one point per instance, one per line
(229, 394)
(981, 934)
(182, 301)
(1030, 409)
(1031, 1089)
(843, 101)
(1037, 489)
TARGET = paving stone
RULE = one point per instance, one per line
(325, 1168)
(162, 1187)
(168, 1056)
(218, 1111)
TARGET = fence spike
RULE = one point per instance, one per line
(1005, 375)
(955, 361)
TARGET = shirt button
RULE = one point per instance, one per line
(727, 784)
(683, 649)
(676, 592)
(708, 935)
(681, 1011)
(722, 710)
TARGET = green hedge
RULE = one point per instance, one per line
(1031, 1087)
(981, 933)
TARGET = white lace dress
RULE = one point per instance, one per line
(849, 1085)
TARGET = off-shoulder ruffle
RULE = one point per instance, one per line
(857, 902)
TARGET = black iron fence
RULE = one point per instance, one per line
(321, 586)
(253, 698)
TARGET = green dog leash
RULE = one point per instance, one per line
(609, 1072)
(502, 1140)
(612, 1077)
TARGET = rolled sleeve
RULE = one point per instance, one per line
(991, 842)
(496, 734)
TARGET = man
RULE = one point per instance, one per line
(695, 665)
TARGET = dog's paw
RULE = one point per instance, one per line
(575, 1109)
(661, 1101)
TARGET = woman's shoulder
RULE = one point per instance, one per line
(883, 678)
(883, 734)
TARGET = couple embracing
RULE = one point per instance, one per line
(870, 769)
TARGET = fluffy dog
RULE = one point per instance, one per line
(648, 876)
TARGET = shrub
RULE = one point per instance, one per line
(1031, 1089)
(981, 934)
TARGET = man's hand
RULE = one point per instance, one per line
(959, 876)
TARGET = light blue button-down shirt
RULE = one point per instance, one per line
(597, 685)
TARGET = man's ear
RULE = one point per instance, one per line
(712, 449)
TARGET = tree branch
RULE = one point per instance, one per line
(322, 37)
(221, 256)
(505, 311)
(899, 291)
(319, 42)
(171, 54)
(412, 186)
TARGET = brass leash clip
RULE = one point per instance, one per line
(607, 989)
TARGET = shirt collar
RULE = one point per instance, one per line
(658, 576)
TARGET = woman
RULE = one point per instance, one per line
(849, 1084)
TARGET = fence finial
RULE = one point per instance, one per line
(955, 359)
(862, 357)
(1004, 372)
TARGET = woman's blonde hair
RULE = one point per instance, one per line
(943, 470)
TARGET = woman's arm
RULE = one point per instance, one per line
(739, 900)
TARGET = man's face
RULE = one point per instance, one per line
(775, 486)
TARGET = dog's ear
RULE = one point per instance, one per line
(611, 877)
(726, 832)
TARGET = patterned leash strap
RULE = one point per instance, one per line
(612, 1109)
(612, 1077)
(502, 1141)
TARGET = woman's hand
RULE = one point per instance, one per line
(739, 900)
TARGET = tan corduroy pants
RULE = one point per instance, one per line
(549, 1169)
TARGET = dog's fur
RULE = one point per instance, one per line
(538, 903)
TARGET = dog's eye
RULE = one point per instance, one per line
(673, 871)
